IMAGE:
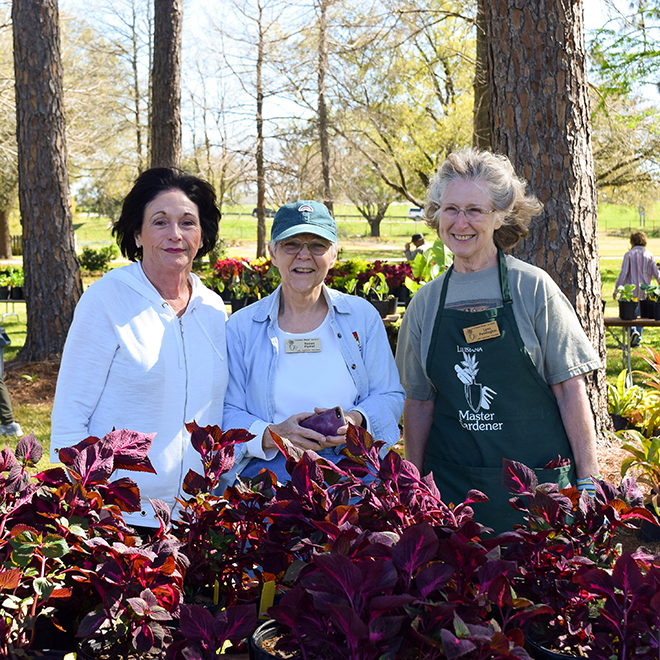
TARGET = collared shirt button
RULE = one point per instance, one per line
(143, 513)
(339, 335)
(353, 366)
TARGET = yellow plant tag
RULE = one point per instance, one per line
(216, 592)
(267, 598)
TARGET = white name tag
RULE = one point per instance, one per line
(303, 345)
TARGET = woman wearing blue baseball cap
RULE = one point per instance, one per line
(307, 348)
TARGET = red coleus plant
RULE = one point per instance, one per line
(62, 533)
(565, 550)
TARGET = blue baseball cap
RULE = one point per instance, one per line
(303, 217)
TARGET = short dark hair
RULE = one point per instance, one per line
(638, 238)
(146, 188)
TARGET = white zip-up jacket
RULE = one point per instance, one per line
(130, 363)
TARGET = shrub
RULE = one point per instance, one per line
(97, 260)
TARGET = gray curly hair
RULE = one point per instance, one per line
(507, 192)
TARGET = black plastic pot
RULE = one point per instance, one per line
(17, 293)
(393, 304)
(648, 532)
(239, 303)
(265, 631)
(647, 309)
(620, 422)
(539, 652)
(627, 310)
(4, 292)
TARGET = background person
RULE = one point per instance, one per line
(8, 426)
(304, 348)
(491, 354)
(638, 268)
(146, 349)
(417, 246)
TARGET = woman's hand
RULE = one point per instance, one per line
(352, 416)
(297, 435)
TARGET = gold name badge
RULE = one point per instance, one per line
(303, 345)
(480, 332)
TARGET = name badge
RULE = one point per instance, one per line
(303, 345)
(480, 332)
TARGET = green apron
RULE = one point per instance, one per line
(491, 404)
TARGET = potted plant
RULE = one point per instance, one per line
(627, 302)
(624, 401)
(16, 280)
(5, 285)
(375, 289)
(563, 550)
(647, 306)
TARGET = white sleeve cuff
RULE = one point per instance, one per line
(254, 448)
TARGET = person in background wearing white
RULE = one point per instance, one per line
(146, 350)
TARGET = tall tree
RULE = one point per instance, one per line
(52, 275)
(540, 118)
(324, 137)
(166, 84)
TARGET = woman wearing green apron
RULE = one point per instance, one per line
(491, 354)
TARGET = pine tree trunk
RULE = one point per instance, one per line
(480, 117)
(52, 275)
(259, 152)
(5, 235)
(166, 84)
(540, 119)
(324, 138)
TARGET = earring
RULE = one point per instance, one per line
(138, 244)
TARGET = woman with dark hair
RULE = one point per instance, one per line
(491, 354)
(146, 349)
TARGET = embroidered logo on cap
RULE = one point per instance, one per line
(305, 207)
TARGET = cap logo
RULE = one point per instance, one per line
(305, 207)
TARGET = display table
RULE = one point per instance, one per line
(624, 342)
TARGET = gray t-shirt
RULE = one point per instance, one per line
(547, 322)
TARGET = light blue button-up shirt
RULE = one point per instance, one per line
(252, 349)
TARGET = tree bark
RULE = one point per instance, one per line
(481, 117)
(259, 151)
(52, 275)
(166, 84)
(324, 139)
(540, 119)
(5, 235)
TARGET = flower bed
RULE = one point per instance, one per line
(371, 568)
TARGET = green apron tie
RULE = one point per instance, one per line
(491, 403)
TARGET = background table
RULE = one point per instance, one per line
(624, 342)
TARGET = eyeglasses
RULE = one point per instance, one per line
(293, 246)
(471, 212)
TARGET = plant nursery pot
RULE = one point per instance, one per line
(51, 655)
(627, 310)
(647, 309)
(648, 532)
(4, 293)
(657, 311)
(239, 303)
(539, 652)
(403, 295)
(48, 636)
(393, 304)
(382, 306)
(17, 293)
(619, 422)
(266, 631)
